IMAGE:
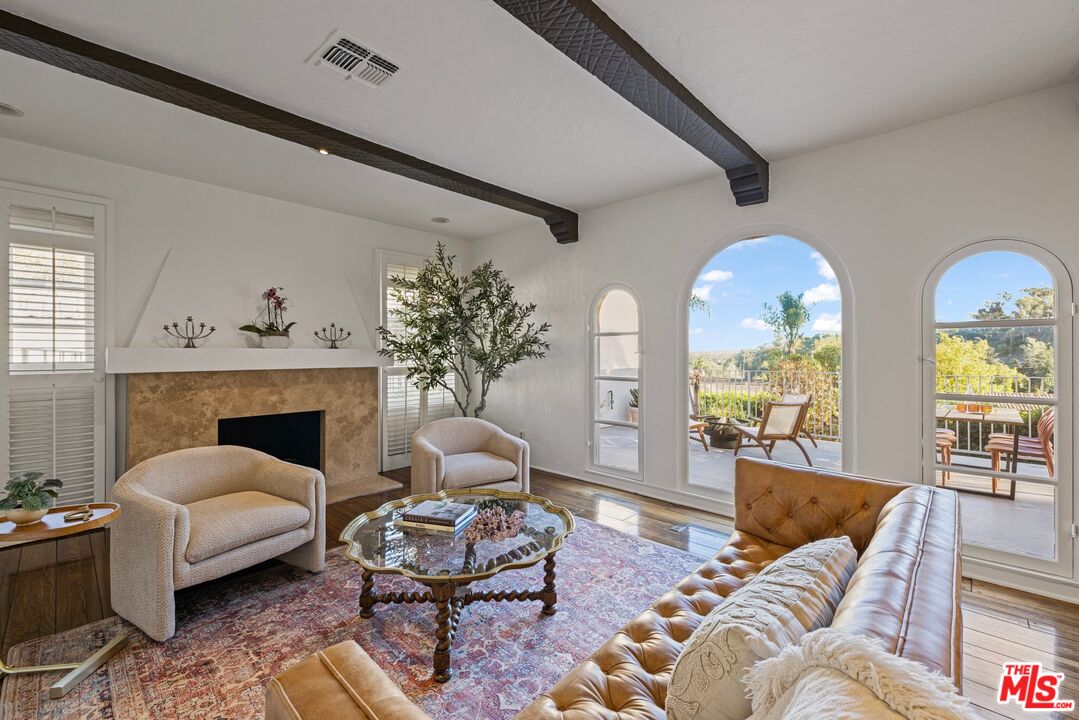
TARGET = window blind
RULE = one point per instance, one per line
(49, 220)
(51, 430)
(51, 309)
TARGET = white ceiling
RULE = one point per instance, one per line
(481, 94)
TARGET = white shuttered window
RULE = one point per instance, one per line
(404, 406)
(53, 394)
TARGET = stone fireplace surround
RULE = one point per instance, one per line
(168, 411)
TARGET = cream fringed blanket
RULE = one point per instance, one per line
(846, 677)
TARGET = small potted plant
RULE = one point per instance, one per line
(270, 326)
(634, 405)
(28, 499)
(721, 432)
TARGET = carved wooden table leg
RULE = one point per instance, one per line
(550, 597)
(367, 595)
(443, 593)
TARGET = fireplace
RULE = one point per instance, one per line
(294, 437)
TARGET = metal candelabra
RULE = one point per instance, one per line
(189, 334)
(333, 336)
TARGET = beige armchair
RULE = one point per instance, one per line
(198, 514)
(465, 452)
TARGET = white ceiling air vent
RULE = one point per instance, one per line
(349, 60)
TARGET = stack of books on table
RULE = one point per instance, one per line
(438, 515)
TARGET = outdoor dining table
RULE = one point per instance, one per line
(1007, 417)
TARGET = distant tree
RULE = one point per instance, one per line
(828, 352)
(787, 320)
(961, 362)
(1009, 344)
(696, 302)
(1038, 359)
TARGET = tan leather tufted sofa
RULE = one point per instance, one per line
(905, 590)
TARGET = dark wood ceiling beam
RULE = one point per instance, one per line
(40, 42)
(589, 37)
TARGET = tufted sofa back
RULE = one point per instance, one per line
(792, 505)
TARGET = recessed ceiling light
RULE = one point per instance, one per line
(323, 151)
(440, 220)
(10, 111)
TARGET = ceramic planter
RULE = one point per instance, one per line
(275, 341)
(25, 517)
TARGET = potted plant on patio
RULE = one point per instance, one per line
(721, 432)
(28, 500)
(270, 325)
(633, 412)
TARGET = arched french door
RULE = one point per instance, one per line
(617, 391)
(997, 388)
(766, 321)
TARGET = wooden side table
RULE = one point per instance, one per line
(53, 527)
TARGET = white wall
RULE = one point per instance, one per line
(181, 247)
(883, 211)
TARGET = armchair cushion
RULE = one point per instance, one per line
(230, 521)
(466, 470)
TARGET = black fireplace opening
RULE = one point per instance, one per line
(292, 437)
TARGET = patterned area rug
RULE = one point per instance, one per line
(232, 638)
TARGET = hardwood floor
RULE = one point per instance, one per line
(49, 587)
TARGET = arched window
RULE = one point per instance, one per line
(998, 360)
(617, 392)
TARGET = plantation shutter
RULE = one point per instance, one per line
(53, 395)
(404, 406)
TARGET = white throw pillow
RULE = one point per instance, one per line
(849, 677)
(794, 595)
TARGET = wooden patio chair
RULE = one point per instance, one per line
(807, 400)
(696, 423)
(945, 440)
(1041, 448)
(780, 421)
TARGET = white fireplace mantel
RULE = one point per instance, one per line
(132, 360)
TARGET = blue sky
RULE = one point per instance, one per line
(971, 282)
(739, 280)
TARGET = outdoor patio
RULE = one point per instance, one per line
(715, 468)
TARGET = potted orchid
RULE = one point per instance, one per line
(270, 325)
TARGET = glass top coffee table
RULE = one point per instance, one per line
(511, 530)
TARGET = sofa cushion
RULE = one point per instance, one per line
(341, 682)
(466, 470)
(229, 521)
(848, 677)
(792, 596)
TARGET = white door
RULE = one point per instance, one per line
(998, 376)
(53, 393)
(404, 407)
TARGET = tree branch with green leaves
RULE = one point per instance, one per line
(446, 323)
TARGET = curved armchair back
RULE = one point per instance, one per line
(192, 474)
(458, 434)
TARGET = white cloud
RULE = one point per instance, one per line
(825, 292)
(828, 322)
(823, 268)
(755, 324)
(704, 292)
(696, 331)
(716, 276)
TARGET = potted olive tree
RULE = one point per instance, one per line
(28, 499)
(467, 326)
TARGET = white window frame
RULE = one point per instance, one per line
(108, 442)
(1007, 567)
(593, 356)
